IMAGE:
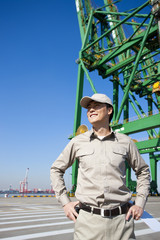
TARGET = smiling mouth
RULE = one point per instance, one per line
(93, 115)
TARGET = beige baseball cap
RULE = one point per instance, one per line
(97, 97)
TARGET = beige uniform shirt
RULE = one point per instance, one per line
(102, 170)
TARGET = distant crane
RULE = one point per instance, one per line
(24, 183)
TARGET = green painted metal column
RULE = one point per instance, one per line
(80, 81)
(153, 167)
(150, 112)
(115, 96)
(125, 117)
(77, 119)
(153, 163)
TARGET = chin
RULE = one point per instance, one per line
(92, 121)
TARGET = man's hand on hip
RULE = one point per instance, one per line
(70, 211)
(135, 211)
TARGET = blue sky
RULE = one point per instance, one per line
(39, 45)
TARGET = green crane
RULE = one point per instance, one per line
(131, 61)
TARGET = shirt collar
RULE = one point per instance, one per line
(93, 135)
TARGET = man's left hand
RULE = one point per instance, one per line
(135, 211)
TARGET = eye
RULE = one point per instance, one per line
(88, 107)
(97, 105)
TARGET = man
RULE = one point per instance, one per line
(103, 198)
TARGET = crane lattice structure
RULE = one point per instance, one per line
(131, 61)
(24, 183)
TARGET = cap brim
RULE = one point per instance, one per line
(85, 101)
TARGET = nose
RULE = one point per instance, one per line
(91, 109)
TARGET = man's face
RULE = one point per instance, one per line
(98, 113)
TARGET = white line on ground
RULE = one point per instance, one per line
(32, 220)
(141, 221)
(33, 216)
(65, 231)
(35, 226)
(38, 235)
(34, 208)
(17, 209)
(28, 213)
(143, 232)
(153, 203)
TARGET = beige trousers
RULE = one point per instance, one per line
(94, 227)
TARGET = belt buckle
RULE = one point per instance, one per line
(102, 213)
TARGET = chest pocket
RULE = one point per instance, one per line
(85, 157)
(119, 155)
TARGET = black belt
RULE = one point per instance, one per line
(106, 213)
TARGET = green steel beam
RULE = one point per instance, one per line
(80, 14)
(153, 79)
(117, 25)
(122, 14)
(149, 144)
(86, 35)
(124, 47)
(148, 66)
(88, 77)
(136, 111)
(120, 36)
(128, 23)
(141, 61)
(134, 68)
(88, 7)
(125, 63)
(128, 60)
(149, 150)
(157, 157)
(139, 125)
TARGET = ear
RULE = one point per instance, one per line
(110, 110)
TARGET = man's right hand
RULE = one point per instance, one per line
(70, 211)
